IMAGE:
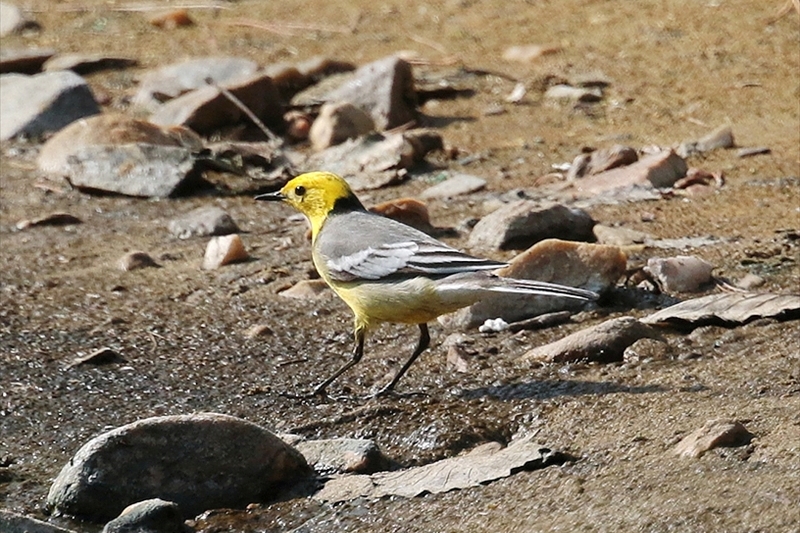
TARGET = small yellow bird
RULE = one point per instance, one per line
(387, 271)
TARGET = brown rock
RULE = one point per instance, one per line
(603, 343)
(223, 251)
(409, 211)
(170, 20)
(306, 289)
(136, 260)
(602, 160)
(657, 170)
(713, 434)
(337, 122)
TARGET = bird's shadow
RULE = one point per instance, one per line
(548, 389)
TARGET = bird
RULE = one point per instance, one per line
(386, 271)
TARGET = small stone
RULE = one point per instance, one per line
(750, 152)
(713, 434)
(648, 349)
(224, 250)
(148, 516)
(337, 122)
(750, 281)
(721, 137)
(458, 352)
(306, 289)
(169, 20)
(34, 105)
(258, 330)
(298, 125)
(202, 222)
(53, 219)
(604, 343)
(528, 52)
(136, 260)
(681, 273)
(101, 356)
(457, 185)
(357, 456)
(618, 235)
(601, 160)
(575, 94)
(409, 211)
(520, 224)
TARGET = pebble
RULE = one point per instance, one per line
(601, 160)
(520, 224)
(722, 137)
(131, 463)
(306, 289)
(456, 185)
(343, 456)
(202, 222)
(750, 152)
(648, 349)
(713, 434)
(259, 330)
(148, 516)
(337, 122)
(750, 281)
(384, 89)
(619, 235)
(224, 250)
(681, 273)
(135, 261)
(604, 343)
(207, 109)
(169, 20)
(171, 81)
(101, 356)
(32, 106)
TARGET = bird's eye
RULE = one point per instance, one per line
(299, 190)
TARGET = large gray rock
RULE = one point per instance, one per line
(174, 80)
(384, 89)
(207, 109)
(141, 170)
(520, 224)
(201, 461)
(34, 105)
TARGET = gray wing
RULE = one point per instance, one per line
(363, 245)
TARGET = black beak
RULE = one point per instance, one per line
(276, 196)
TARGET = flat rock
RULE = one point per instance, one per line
(722, 137)
(357, 456)
(173, 80)
(17, 523)
(207, 109)
(604, 343)
(456, 185)
(13, 20)
(141, 170)
(203, 222)
(520, 224)
(526, 53)
(148, 516)
(619, 235)
(384, 89)
(484, 464)
(108, 129)
(713, 434)
(659, 170)
(589, 266)
(86, 63)
(23, 60)
(31, 106)
(306, 289)
(200, 461)
(728, 308)
(224, 250)
(683, 273)
(337, 122)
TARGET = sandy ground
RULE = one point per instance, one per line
(677, 68)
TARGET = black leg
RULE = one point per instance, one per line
(358, 353)
(422, 344)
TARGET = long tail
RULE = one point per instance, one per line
(493, 283)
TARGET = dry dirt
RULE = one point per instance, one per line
(678, 69)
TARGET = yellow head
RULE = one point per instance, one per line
(316, 195)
